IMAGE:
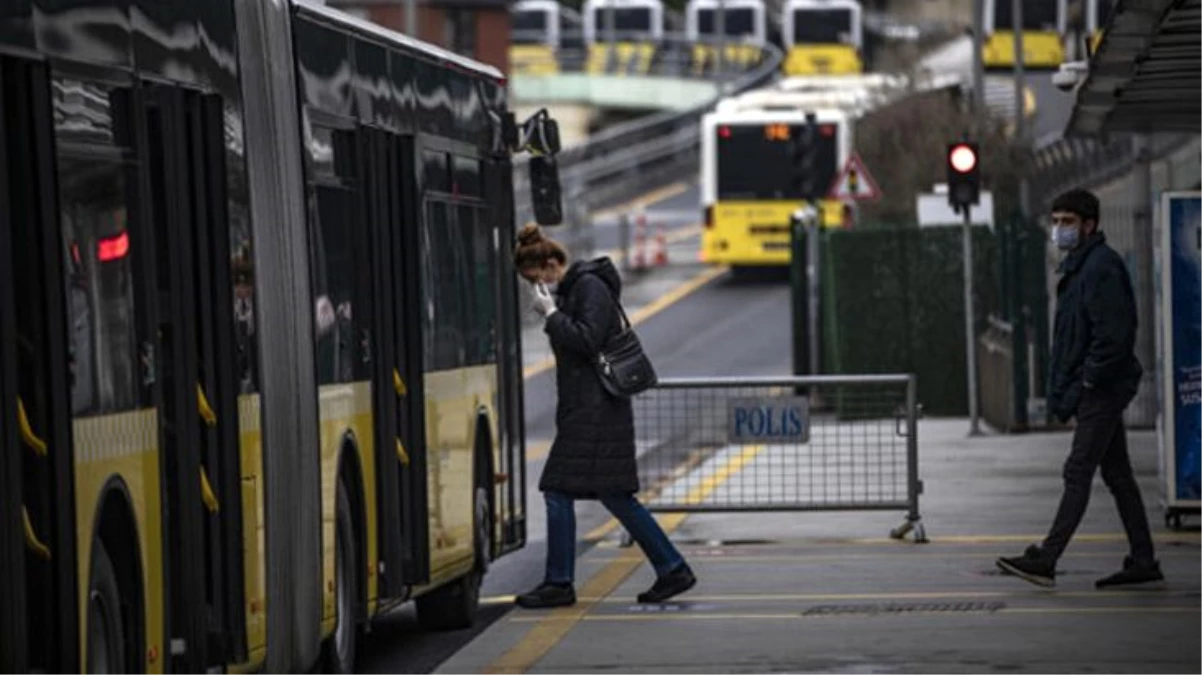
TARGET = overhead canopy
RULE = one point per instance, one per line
(1144, 76)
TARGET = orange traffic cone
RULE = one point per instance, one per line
(661, 247)
(640, 241)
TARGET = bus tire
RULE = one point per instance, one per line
(453, 606)
(106, 624)
(340, 648)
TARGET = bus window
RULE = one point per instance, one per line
(334, 257)
(1038, 15)
(755, 162)
(822, 26)
(529, 27)
(99, 251)
(626, 20)
(739, 22)
(444, 275)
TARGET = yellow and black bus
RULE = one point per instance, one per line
(823, 37)
(1043, 27)
(259, 353)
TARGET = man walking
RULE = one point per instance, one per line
(1094, 376)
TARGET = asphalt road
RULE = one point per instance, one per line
(725, 327)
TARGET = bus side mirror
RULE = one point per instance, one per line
(544, 190)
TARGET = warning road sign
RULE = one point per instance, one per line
(854, 183)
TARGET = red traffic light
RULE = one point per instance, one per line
(962, 157)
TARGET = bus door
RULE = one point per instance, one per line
(391, 235)
(510, 504)
(198, 407)
(38, 589)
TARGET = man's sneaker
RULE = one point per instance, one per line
(548, 595)
(1032, 566)
(670, 585)
(1132, 573)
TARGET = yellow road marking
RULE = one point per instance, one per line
(932, 595)
(777, 616)
(896, 554)
(646, 200)
(551, 628)
(1103, 538)
(643, 313)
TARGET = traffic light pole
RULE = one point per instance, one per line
(974, 428)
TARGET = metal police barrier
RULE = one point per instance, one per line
(813, 443)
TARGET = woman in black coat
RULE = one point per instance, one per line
(593, 454)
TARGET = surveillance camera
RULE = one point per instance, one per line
(1070, 75)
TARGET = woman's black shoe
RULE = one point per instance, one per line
(548, 595)
(670, 585)
(1132, 573)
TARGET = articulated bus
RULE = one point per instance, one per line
(259, 352)
(1044, 23)
(748, 180)
(823, 37)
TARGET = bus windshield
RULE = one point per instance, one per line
(739, 22)
(529, 21)
(626, 20)
(822, 26)
(755, 162)
(1037, 15)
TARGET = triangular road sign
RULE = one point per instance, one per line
(854, 182)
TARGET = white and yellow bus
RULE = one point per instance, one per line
(823, 37)
(750, 183)
(1044, 28)
(259, 354)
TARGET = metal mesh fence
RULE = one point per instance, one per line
(810, 443)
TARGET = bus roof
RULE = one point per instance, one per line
(390, 37)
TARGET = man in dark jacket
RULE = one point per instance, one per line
(1094, 376)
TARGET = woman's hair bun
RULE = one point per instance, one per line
(530, 235)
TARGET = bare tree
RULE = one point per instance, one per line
(904, 146)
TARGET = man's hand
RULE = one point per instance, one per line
(544, 302)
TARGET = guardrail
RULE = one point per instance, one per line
(817, 443)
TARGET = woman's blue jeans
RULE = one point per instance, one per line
(561, 534)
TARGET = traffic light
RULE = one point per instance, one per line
(963, 175)
(803, 159)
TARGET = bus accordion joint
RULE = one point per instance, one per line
(31, 439)
(206, 410)
(401, 454)
(398, 383)
(207, 494)
(31, 537)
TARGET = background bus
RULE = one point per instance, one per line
(1043, 29)
(749, 186)
(823, 37)
(540, 29)
(746, 27)
(259, 355)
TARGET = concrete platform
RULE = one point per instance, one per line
(830, 592)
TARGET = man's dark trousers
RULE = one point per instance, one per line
(1100, 440)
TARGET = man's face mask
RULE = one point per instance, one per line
(1066, 230)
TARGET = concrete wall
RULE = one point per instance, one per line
(612, 92)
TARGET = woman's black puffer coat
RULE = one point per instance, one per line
(593, 453)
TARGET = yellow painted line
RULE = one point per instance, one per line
(821, 542)
(795, 616)
(643, 313)
(896, 554)
(645, 200)
(933, 595)
(551, 628)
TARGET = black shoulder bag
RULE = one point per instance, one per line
(622, 366)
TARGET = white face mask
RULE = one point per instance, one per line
(1065, 237)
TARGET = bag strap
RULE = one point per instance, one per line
(617, 302)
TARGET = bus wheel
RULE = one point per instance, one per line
(453, 606)
(106, 630)
(340, 647)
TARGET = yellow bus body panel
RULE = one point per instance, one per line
(823, 59)
(254, 545)
(533, 60)
(732, 241)
(1042, 50)
(346, 413)
(123, 446)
